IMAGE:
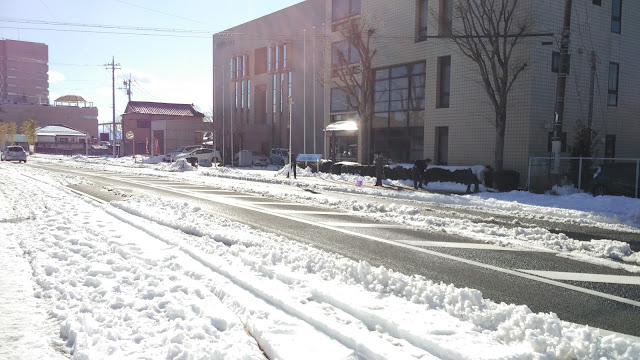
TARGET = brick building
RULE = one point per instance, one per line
(23, 72)
(170, 125)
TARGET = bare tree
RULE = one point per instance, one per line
(351, 72)
(487, 32)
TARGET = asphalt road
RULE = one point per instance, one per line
(578, 292)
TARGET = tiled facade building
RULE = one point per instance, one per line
(450, 119)
(257, 67)
(23, 72)
(429, 101)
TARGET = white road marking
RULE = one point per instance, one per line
(274, 203)
(460, 245)
(307, 212)
(533, 277)
(599, 278)
(361, 225)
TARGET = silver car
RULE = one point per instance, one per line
(14, 153)
(171, 156)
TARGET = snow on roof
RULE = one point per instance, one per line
(54, 130)
(156, 108)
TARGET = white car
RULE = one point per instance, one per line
(14, 153)
(171, 156)
(202, 154)
(279, 156)
(259, 159)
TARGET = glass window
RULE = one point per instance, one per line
(555, 62)
(248, 94)
(444, 23)
(343, 51)
(275, 93)
(444, 82)
(338, 100)
(342, 9)
(423, 17)
(614, 71)
(616, 16)
(242, 93)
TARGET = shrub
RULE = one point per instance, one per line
(506, 180)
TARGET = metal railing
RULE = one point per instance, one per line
(577, 171)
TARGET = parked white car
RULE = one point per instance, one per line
(202, 154)
(279, 156)
(171, 156)
(14, 153)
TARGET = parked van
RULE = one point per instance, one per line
(279, 156)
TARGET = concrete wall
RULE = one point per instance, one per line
(83, 119)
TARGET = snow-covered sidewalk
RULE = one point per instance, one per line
(150, 278)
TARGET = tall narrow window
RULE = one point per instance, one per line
(616, 16)
(445, 18)
(614, 71)
(290, 81)
(244, 65)
(275, 94)
(270, 59)
(237, 96)
(444, 82)
(238, 67)
(423, 17)
(248, 94)
(284, 56)
(281, 92)
(242, 93)
(232, 68)
(278, 55)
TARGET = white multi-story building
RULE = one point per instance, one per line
(449, 117)
(429, 100)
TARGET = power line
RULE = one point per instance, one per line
(159, 12)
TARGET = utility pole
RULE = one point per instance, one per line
(556, 140)
(113, 66)
(304, 91)
(314, 89)
(591, 88)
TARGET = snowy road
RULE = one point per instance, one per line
(149, 277)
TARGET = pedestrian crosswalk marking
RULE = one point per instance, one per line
(599, 278)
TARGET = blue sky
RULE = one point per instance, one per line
(165, 68)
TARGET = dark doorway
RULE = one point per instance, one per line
(158, 138)
(442, 145)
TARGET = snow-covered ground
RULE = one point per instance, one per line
(152, 278)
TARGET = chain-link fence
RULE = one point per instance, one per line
(614, 176)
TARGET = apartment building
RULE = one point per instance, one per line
(429, 98)
(258, 66)
(24, 91)
(23, 72)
